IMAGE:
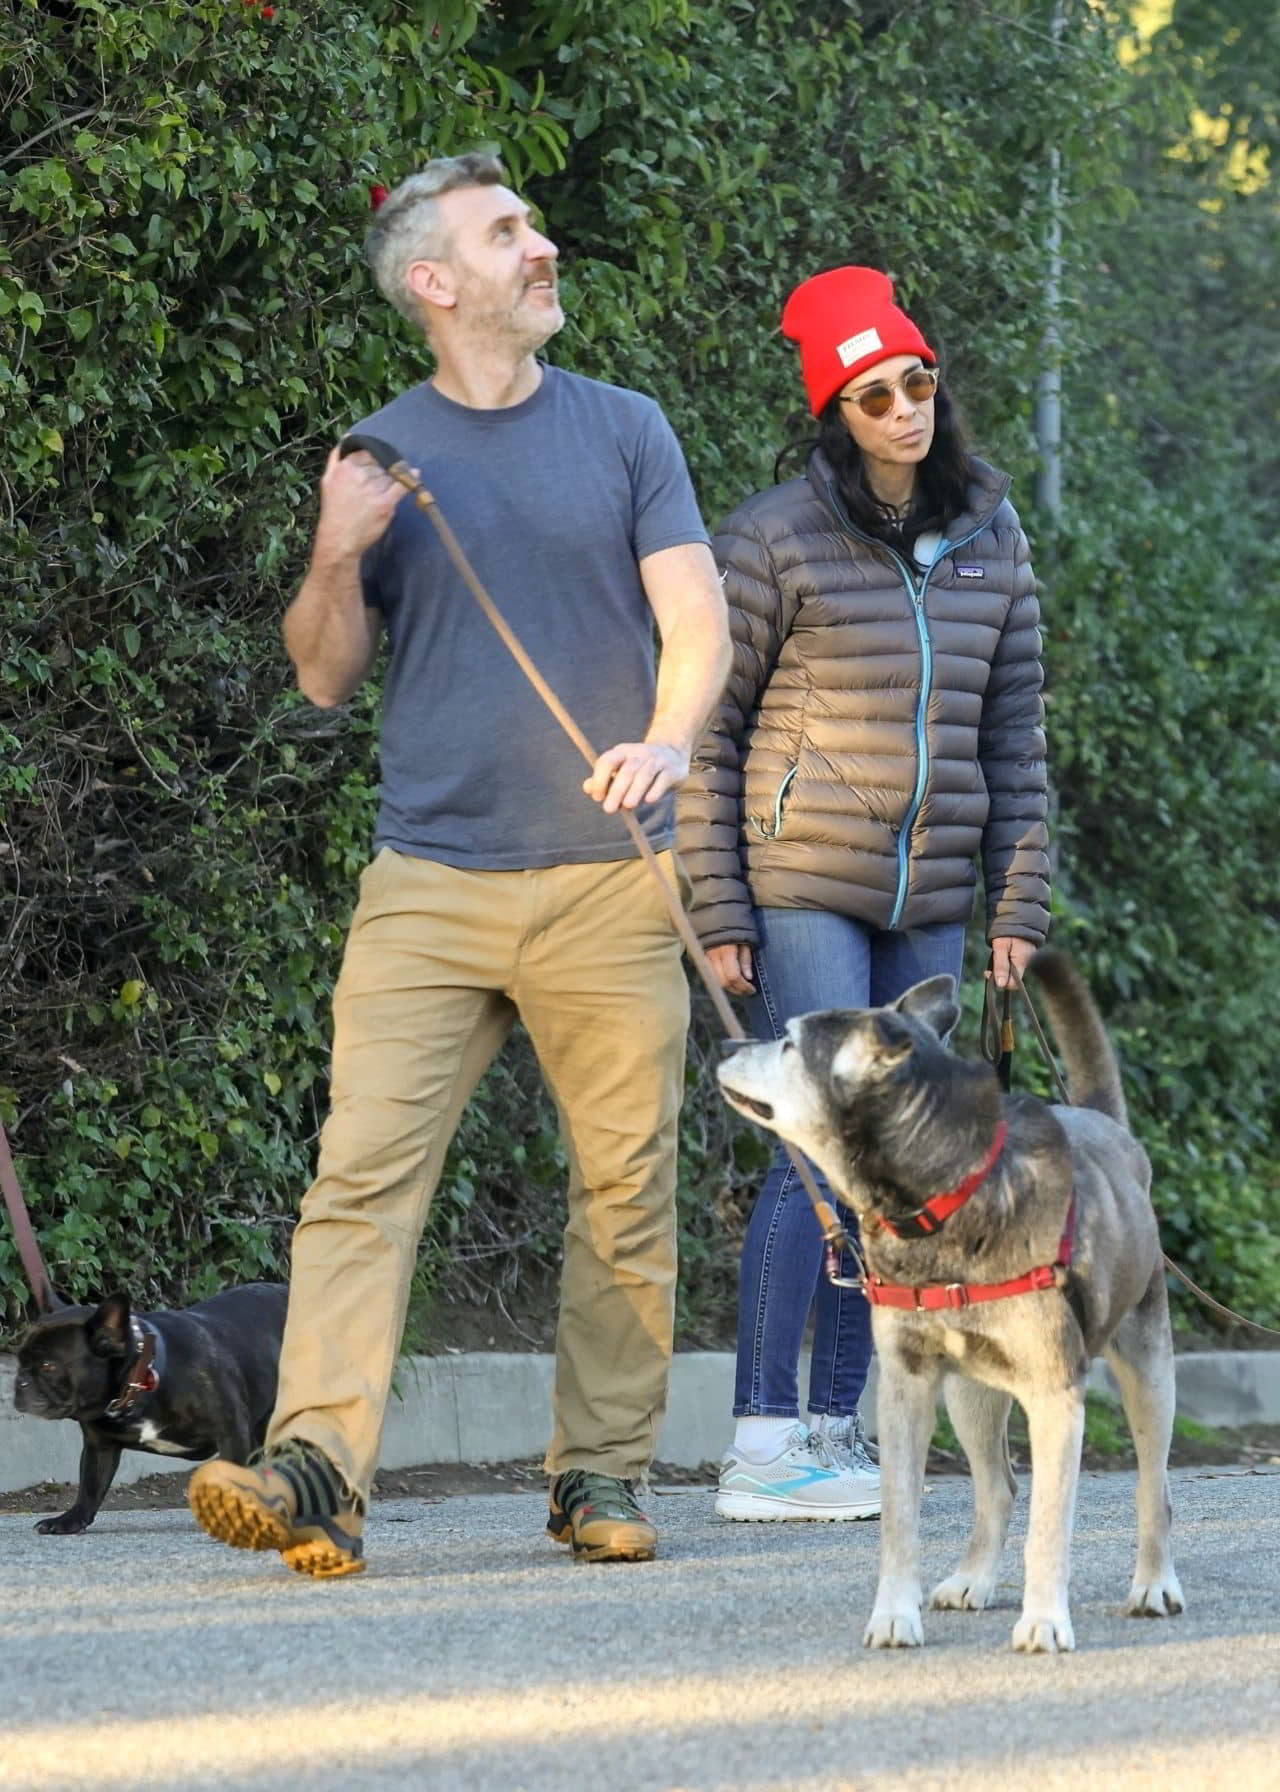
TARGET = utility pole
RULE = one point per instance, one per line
(1049, 385)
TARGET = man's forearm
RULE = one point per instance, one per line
(696, 656)
(330, 632)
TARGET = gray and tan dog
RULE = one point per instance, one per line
(1007, 1243)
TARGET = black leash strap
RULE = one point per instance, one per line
(997, 1032)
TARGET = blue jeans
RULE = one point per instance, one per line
(810, 959)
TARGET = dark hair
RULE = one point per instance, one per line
(942, 479)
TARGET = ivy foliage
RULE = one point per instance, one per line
(185, 328)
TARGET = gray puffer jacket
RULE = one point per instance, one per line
(881, 727)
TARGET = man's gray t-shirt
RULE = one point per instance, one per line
(554, 501)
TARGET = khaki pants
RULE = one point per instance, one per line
(438, 964)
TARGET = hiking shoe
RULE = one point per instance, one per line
(850, 1445)
(599, 1516)
(291, 1499)
(805, 1480)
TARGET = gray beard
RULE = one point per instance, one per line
(520, 336)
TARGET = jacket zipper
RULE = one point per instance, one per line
(771, 833)
(917, 595)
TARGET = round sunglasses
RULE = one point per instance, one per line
(877, 400)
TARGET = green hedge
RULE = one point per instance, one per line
(185, 327)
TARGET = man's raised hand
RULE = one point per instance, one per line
(357, 501)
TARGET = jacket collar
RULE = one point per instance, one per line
(988, 489)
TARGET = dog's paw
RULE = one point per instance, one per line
(1036, 1635)
(1158, 1596)
(66, 1524)
(963, 1593)
(894, 1630)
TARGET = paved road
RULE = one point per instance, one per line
(474, 1655)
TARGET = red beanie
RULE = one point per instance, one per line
(845, 322)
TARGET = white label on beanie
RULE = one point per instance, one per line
(857, 346)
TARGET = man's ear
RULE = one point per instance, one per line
(933, 1002)
(108, 1330)
(432, 284)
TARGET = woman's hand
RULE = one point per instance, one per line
(733, 969)
(1007, 955)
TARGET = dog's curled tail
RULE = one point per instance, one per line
(1093, 1072)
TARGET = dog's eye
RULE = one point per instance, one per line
(788, 1045)
(47, 1368)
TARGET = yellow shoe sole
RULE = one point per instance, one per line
(236, 1516)
(233, 1516)
(321, 1559)
(560, 1530)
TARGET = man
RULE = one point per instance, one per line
(498, 887)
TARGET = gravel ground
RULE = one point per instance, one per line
(475, 1655)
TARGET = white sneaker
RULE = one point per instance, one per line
(803, 1481)
(850, 1445)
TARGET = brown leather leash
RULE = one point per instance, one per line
(998, 1041)
(835, 1238)
(23, 1231)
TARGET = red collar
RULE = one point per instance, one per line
(928, 1218)
(935, 1295)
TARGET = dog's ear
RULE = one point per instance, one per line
(875, 1044)
(933, 1002)
(108, 1329)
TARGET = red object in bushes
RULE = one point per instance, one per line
(376, 197)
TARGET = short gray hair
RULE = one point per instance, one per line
(406, 226)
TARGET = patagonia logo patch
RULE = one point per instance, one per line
(865, 343)
(969, 572)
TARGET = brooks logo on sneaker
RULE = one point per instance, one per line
(809, 1477)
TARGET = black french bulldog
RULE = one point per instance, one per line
(195, 1383)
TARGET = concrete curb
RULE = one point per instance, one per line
(495, 1407)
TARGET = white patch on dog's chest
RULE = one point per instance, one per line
(955, 1342)
(149, 1434)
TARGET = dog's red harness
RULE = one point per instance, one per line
(935, 1296)
(928, 1218)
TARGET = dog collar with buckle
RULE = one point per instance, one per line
(936, 1295)
(142, 1376)
(930, 1217)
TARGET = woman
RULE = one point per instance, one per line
(882, 727)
